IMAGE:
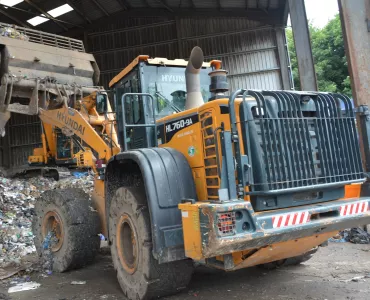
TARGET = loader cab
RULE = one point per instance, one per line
(101, 103)
(163, 82)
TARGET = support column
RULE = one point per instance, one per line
(355, 17)
(302, 43)
(283, 59)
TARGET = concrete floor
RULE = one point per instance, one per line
(327, 276)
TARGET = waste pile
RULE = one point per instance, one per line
(17, 201)
(353, 235)
(11, 32)
(356, 236)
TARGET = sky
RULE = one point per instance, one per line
(319, 12)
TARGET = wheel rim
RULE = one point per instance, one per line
(52, 222)
(127, 244)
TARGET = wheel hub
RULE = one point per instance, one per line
(127, 244)
(52, 224)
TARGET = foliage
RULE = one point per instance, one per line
(329, 56)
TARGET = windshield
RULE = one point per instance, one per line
(167, 85)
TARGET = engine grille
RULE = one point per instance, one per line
(297, 140)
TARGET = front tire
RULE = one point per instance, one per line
(65, 229)
(138, 272)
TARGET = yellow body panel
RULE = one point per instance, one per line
(36, 159)
(191, 223)
(98, 202)
(190, 141)
(278, 251)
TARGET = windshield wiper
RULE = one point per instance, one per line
(173, 106)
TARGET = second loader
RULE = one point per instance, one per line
(197, 175)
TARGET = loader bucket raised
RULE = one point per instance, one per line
(35, 66)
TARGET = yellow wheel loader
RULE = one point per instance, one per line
(232, 181)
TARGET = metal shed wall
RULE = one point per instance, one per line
(23, 133)
(251, 51)
(247, 48)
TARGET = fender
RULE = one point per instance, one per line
(168, 179)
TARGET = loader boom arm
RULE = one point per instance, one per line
(71, 122)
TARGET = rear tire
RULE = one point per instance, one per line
(291, 261)
(138, 272)
(74, 225)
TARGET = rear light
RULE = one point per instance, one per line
(226, 223)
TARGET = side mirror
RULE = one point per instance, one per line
(101, 103)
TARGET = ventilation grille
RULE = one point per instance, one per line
(294, 147)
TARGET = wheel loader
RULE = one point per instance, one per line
(228, 180)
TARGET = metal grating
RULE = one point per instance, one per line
(302, 140)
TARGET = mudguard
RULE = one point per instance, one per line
(168, 179)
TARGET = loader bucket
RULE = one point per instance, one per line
(35, 65)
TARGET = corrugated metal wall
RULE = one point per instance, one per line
(23, 133)
(247, 48)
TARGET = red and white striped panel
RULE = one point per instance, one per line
(290, 219)
(355, 208)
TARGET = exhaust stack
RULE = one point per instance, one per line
(193, 95)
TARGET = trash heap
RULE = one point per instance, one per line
(11, 32)
(17, 202)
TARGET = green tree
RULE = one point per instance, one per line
(329, 56)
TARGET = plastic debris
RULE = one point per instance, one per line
(13, 33)
(47, 256)
(102, 237)
(17, 202)
(356, 236)
(78, 282)
(80, 174)
(9, 271)
(356, 279)
(25, 286)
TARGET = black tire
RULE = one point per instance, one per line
(78, 221)
(291, 261)
(139, 273)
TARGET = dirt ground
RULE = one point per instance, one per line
(331, 274)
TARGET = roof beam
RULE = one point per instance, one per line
(19, 22)
(124, 4)
(273, 17)
(78, 11)
(219, 4)
(165, 5)
(46, 14)
(192, 3)
(101, 7)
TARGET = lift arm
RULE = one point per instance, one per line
(71, 122)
